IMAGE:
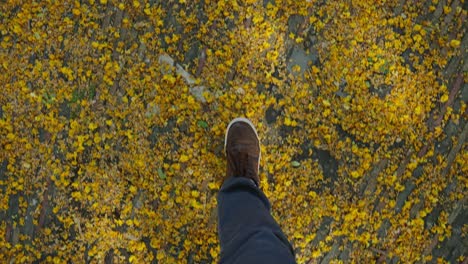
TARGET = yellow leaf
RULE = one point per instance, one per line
(154, 243)
(76, 11)
(315, 69)
(129, 222)
(355, 174)
(92, 126)
(97, 139)
(417, 110)
(183, 158)
(160, 255)
(213, 252)
(454, 43)
(447, 10)
(47, 231)
(316, 254)
(212, 186)
(76, 195)
(444, 98)
(10, 136)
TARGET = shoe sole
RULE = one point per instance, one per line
(245, 120)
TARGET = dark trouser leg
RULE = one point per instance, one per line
(247, 231)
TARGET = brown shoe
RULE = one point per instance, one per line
(242, 150)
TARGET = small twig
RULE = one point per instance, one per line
(44, 204)
(201, 62)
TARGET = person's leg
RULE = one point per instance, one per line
(247, 231)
